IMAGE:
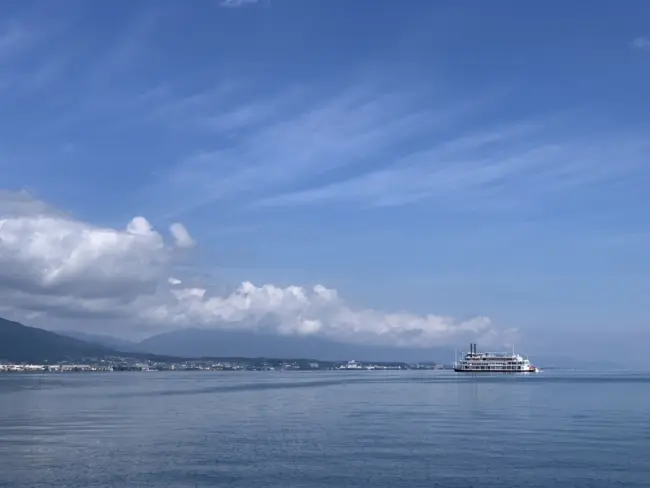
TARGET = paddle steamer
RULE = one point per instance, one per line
(493, 362)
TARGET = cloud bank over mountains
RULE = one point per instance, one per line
(53, 266)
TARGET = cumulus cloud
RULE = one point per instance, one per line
(59, 267)
(181, 236)
(43, 253)
(304, 311)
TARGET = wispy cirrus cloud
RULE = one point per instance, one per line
(193, 108)
(517, 167)
(291, 139)
(642, 43)
(15, 38)
(123, 52)
(34, 49)
(237, 3)
(372, 147)
(19, 39)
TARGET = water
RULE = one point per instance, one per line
(338, 429)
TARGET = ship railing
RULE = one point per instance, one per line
(494, 355)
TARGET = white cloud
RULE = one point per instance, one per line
(181, 236)
(237, 3)
(14, 39)
(317, 310)
(59, 267)
(367, 146)
(511, 169)
(130, 45)
(642, 43)
(44, 252)
(341, 132)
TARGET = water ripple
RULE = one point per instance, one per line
(324, 429)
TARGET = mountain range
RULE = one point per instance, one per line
(102, 340)
(20, 343)
(231, 343)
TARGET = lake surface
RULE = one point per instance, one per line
(327, 429)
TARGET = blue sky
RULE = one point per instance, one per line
(457, 158)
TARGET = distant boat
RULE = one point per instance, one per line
(493, 362)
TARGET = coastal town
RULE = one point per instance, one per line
(117, 364)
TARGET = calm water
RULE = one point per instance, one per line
(334, 429)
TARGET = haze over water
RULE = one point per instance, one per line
(374, 429)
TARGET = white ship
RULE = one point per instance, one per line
(493, 362)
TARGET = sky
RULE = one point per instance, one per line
(403, 173)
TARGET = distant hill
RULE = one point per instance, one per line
(103, 340)
(218, 343)
(195, 343)
(19, 343)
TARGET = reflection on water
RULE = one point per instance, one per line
(380, 429)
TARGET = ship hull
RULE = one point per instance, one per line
(458, 370)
